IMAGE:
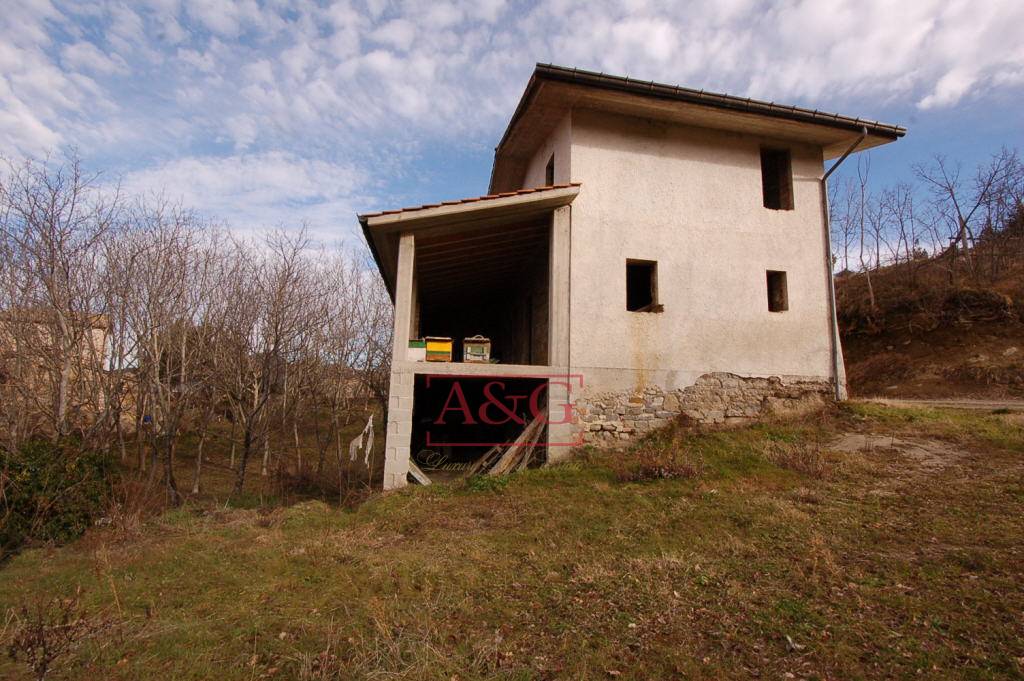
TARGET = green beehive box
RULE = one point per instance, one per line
(417, 351)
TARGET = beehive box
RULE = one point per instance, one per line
(417, 351)
(439, 349)
(476, 349)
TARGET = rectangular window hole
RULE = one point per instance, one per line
(778, 293)
(642, 286)
(549, 172)
(777, 179)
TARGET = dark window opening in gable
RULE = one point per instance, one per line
(778, 292)
(549, 172)
(642, 286)
(777, 179)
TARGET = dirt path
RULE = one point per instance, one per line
(917, 457)
(985, 405)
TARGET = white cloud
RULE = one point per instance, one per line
(259, 191)
(641, 40)
(224, 17)
(21, 130)
(85, 55)
(455, 67)
(486, 10)
(354, 84)
(374, 7)
(243, 130)
(442, 15)
(298, 59)
(398, 33)
(949, 89)
(201, 61)
(126, 33)
(34, 93)
(259, 72)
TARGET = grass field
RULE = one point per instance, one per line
(866, 543)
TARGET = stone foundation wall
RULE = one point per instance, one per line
(713, 398)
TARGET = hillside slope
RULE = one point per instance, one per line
(980, 360)
(868, 542)
(928, 330)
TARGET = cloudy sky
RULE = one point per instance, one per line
(277, 112)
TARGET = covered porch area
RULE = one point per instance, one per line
(495, 267)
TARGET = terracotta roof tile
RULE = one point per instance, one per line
(487, 197)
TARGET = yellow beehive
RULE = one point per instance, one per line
(439, 349)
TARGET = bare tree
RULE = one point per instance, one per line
(173, 269)
(121, 317)
(267, 319)
(961, 202)
(53, 219)
(842, 220)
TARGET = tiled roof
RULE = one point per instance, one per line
(488, 197)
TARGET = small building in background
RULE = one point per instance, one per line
(47, 359)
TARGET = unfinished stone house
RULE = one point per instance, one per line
(644, 251)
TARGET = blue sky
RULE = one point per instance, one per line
(286, 113)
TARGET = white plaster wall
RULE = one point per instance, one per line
(691, 200)
(558, 143)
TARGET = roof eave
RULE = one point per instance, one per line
(508, 207)
(376, 257)
(713, 99)
(554, 73)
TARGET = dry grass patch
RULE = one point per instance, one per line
(776, 558)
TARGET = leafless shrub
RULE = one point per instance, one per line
(45, 631)
(648, 462)
(130, 502)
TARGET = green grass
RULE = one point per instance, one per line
(860, 566)
(997, 429)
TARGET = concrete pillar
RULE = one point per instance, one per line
(400, 392)
(558, 288)
(559, 396)
(405, 288)
(561, 418)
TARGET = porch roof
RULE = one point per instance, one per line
(382, 229)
